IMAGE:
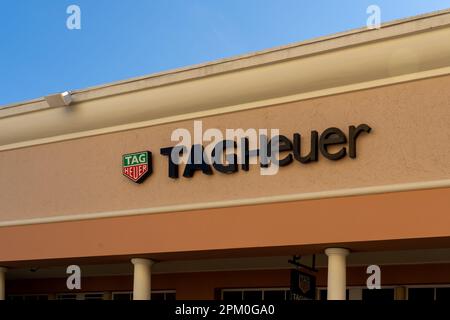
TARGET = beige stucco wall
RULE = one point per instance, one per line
(409, 143)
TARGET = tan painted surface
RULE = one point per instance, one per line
(362, 223)
(407, 144)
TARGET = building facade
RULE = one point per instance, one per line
(86, 178)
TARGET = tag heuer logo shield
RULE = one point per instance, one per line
(304, 284)
(137, 166)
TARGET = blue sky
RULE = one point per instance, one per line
(124, 39)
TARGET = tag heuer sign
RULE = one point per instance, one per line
(137, 166)
(303, 285)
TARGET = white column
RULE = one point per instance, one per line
(337, 268)
(2, 282)
(142, 279)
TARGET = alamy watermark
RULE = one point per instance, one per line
(226, 150)
(374, 19)
(73, 21)
(73, 282)
(374, 280)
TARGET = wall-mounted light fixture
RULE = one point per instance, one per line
(59, 99)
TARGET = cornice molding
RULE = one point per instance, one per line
(401, 51)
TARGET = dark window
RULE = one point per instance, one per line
(252, 295)
(158, 296)
(274, 295)
(378, 294)
(232, 295)
(122, 296)
(67, 297)
(93, 296)
(36, 297)
(31, 297)
(421, 294)
(443, 294)
(170, 296)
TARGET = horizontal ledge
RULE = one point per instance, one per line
(241, 202)
(234, 108)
